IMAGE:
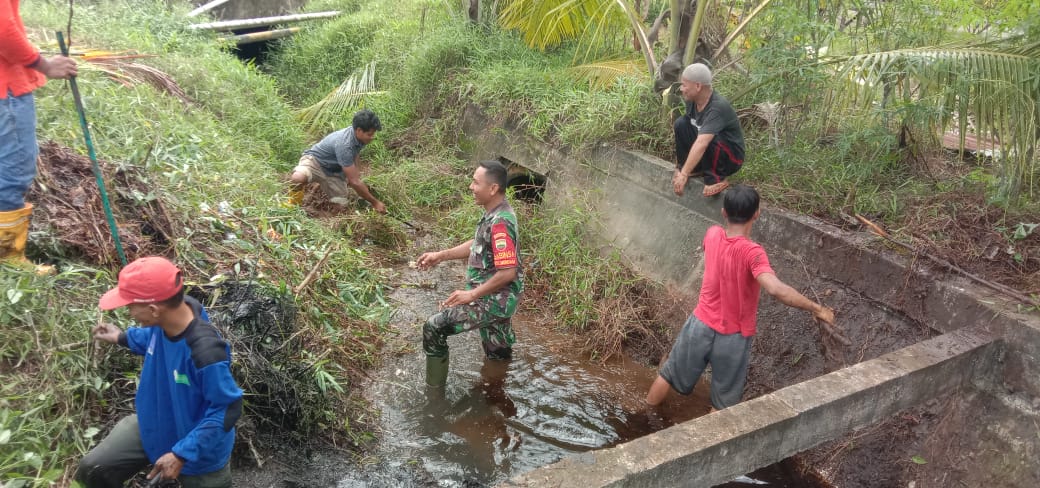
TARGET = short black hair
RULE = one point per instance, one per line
(740, 203)
(366, 120)
(496, 173)
(173, 302)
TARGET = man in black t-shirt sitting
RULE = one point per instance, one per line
(708, 139)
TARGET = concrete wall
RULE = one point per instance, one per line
(247, 9)
(661, 233)
(716, 448)
(983, 344)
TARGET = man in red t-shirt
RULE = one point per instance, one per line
(722, 327)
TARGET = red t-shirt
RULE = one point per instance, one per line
(16, 54)
(729, 290)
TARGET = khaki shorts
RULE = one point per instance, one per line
(334, 186)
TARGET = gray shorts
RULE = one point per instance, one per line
(699, 345)
(334, 186)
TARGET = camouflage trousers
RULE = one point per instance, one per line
(496, 332)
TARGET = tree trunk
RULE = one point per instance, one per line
(474, 11)
(713, 31)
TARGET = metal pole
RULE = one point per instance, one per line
(93, 157)
(207, 7)
(225, 25)
(262, 36)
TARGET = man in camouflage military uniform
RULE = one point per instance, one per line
(494, 279)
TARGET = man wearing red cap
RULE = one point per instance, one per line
(187, 402)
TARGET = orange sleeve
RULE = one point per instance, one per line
(504, 246)
(16, 49)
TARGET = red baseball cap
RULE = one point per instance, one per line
(147, 280)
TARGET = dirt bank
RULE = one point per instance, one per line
(955, 440)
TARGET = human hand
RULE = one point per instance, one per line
(826, 314)
(106, 332)
(428, 260)
(679, 183)
(168, 465)
(57, 67)
(379, 207)
(459, 297)
(825, 318)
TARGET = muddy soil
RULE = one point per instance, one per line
(789, 347)
(69, 218)
(952, 441)
(550, 401)
(480, 445)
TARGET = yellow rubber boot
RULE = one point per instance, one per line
(14, 232)
(296, 193)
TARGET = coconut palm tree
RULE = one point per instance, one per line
(603, 28)
(327, 114)
(989, 88)
(597, 23)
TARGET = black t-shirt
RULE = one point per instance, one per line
(719, 118)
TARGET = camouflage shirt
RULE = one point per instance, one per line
(496, 246)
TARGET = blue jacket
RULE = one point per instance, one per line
(187, 401)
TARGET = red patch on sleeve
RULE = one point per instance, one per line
(503, 247)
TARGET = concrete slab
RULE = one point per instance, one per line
(718, 447)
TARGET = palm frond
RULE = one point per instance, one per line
(128, 73)
(603, 74)
(739, 29)
(547, 23)
(595, 23)
(322, 117)
(990, 89)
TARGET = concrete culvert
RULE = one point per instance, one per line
(938, 387)
(527, 185)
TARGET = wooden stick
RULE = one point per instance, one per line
(91, 343)
(872, 226)
(829, 329)
(942, 262)
(268, 35)
(314, 272)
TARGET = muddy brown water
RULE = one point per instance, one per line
(496, 420)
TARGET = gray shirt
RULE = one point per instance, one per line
(336, 151)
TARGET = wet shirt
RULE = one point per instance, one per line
(719, 118)
(336, 151)
(729, 291)
(496, 246)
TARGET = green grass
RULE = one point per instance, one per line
(52, 388)
(238, 141)
(311, 66)
(235, 145)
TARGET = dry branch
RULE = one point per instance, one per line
(314, 272)
(948, 265)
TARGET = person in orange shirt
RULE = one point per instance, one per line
(22, 70)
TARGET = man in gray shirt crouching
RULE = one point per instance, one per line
(332, 163)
